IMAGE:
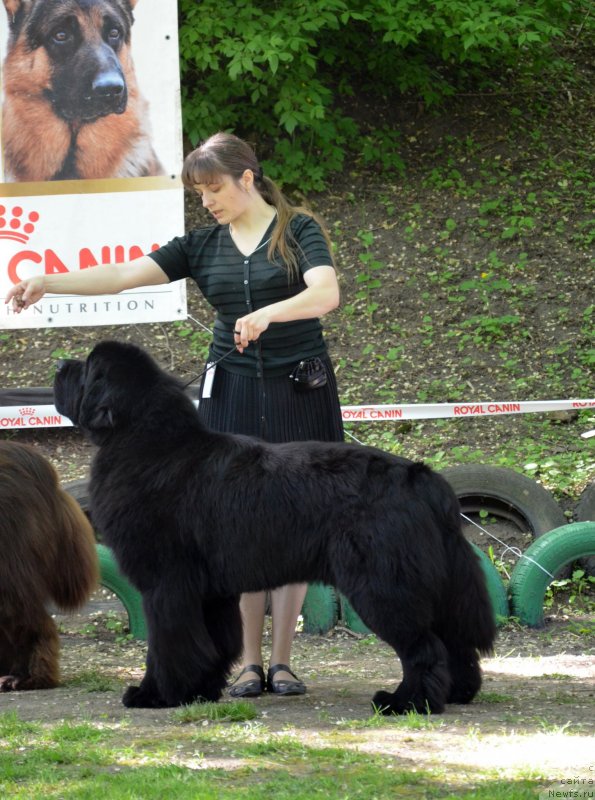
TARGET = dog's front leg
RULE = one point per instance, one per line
(189, 648)
(147, 694)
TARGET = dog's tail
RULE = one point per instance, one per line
(465, 616)
(76, 572)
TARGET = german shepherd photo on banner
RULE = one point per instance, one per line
(72, 107)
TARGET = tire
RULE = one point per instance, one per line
(526, 509)
(585, 508)
(585, 512)
(552, 551)
(505, 493)
(112, 579)
(351, 618)
(319, 610)
(494, 585)
(80, 491)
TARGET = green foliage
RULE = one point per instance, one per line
(365, 280)
(287, 73)
(197, 340)
(574, 592)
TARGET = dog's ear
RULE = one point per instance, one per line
(96, 408)
(95, 416)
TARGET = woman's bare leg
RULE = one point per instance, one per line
(286, 605)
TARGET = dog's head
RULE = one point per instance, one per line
(115, 390)
(85, 46)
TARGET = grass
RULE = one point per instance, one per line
(215, 712)
(410, 720)
(92, 680)
(87, 760)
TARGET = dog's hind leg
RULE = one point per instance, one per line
(426, 677)
(29, 656)
(424, 659)
(464, 620)
(463, 663)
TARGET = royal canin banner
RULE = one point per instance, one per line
(46, 416)
(91, 152)
(458, 410)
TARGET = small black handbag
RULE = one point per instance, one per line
(310, 373)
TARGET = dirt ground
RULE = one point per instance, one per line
(535, 710)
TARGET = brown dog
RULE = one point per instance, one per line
(72, 107)
(48, 554)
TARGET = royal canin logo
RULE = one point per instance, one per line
(16, 224)
(17, 227)
(26, 412)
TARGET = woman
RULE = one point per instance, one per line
(267, 268)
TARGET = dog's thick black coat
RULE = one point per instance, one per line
(195, 518)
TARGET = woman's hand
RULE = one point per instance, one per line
(247, 329)
(101, 279)
(26, 293)
(320, 296)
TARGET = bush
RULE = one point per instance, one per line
(287, 73)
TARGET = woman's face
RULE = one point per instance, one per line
(225, 198)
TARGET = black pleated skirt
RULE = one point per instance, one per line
(272, 409)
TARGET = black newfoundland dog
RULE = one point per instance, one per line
(195, 518)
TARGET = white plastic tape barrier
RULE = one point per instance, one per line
(458, 410)
(19, 418)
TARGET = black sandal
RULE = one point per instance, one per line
(284, 686)
(252, 688)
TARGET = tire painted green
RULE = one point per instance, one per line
(494, 584)
(551, 551)
(351, 618)
(112, 579)
(320, 609)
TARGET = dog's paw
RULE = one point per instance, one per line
(462, 694)
(138, 697)
(382, 703)
(387, 704)
(9, 683)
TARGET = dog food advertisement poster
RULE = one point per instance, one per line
(90, 151)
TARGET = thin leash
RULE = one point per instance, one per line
(514, 550)
(211, 364)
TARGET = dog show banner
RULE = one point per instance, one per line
(91, 152)
(21, 414)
